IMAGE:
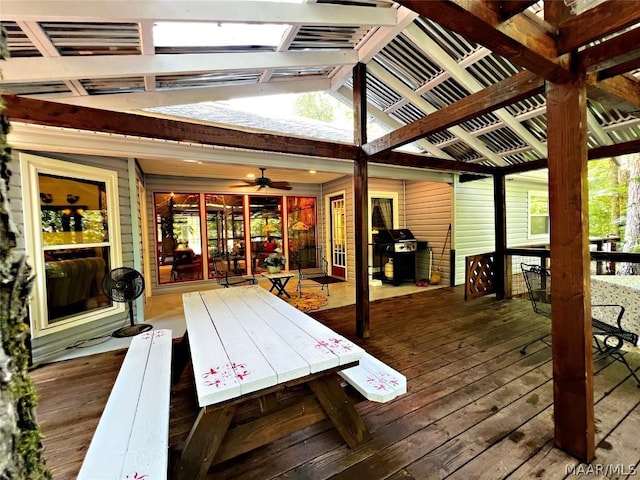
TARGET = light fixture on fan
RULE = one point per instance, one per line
(264, 182)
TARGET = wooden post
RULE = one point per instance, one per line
(500, 219)
(570, 287)
(361, 201)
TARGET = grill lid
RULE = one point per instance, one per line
(395, 236)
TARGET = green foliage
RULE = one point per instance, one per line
(315, 106)
(602, 191)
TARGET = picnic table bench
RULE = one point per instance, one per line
(249, 347)
(132, 437)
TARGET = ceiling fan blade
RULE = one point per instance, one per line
(245, 185)
(281, 185)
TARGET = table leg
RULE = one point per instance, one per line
(181, 357)
(203, 441)
(340, 410)
(279, 286)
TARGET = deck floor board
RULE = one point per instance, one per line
(476, 408)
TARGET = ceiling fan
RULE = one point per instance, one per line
(262, 182)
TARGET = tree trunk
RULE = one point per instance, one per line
(20, 440)
(632, 228)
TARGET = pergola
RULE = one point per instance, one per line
(538, 85)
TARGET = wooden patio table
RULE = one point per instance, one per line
(248, 346)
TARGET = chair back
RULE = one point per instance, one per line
(538, 282)
(227, 279)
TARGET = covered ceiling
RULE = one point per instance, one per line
(420, 57)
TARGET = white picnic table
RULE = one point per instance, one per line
(248, 345)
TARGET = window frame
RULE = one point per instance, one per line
(394, 197)
(31, 166)
(537, 236)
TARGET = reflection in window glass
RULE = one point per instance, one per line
(74, 228)
(79, 216)
(225, 234)
(178, 233)
(302, 231)
(265, 213)
(538, 214)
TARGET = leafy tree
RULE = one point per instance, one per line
(632, 226)
(315, 106)
(607, 198)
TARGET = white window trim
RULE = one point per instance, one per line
(396, 220)
(31, 166)
(536, 193)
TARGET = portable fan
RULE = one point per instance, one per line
(125, 284)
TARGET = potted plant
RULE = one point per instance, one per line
(274, 262)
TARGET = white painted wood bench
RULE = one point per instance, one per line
(132, 438)
(375, 380)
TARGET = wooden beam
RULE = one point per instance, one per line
(571, 304)
(599, 22)
(615, 51)
(513, 89)
(361, 201)
(41, 112)
(615, 150)
(520, 39)
(509, 8)
(403, 159)
(555, 12)
(619, 92)
(525, 167)
(622, 68)
(606, 151)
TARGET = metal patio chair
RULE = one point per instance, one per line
(538, 282)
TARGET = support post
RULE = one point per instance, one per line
(500, 219)
(361, 201)
(570, 288)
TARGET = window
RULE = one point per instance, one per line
(225, 233)
(301, 221)
(538, 214)
(71, 214)
(265, 228)
(179, 243)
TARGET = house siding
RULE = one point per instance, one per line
(474, 218)
(428, 215)
(52, 345)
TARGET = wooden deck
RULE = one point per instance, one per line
(475, 408)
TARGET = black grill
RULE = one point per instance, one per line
(399, 247)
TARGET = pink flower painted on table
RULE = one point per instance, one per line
(137, 476)
(335, 345)
(381, 381)
(220, 376)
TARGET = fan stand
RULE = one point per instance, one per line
(133, 329)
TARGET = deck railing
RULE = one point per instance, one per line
(480, 271)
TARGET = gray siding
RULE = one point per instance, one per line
(475, 232)
(49, 346)
(428, 215)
